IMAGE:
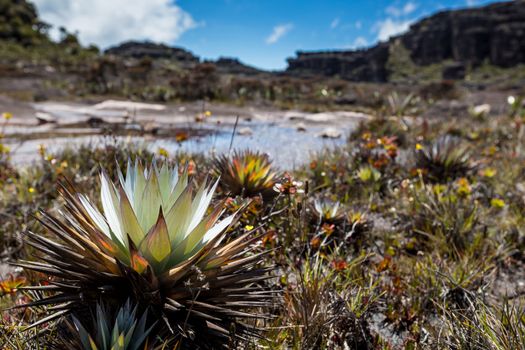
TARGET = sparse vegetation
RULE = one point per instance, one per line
(408, 235)
(372, 246)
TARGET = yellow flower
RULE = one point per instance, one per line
(489, 172)
(31, 190)
(463, 187)
(4, 149)
(207, 114)
(42, 149)
(355, 217)
(64, 164)
(491, 150)
(163, 152)
(7, 115)
(497, 203)
(248, 227)
(439, 189)
(419, 147)
(366, 136)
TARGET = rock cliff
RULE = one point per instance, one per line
(493, 33)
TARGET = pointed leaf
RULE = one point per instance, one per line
(110, 204)
(130, 223)
(157, 242)
(179, 216)
(151, 203)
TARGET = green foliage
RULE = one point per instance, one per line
(445, 217)
(403, 69)
(390, 257)
(125, 331)
(246, 173)
(484, 326)
(160, 246)
(444, 159)
(19, 23)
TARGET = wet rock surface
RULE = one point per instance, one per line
(288, 137)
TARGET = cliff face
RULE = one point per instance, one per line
(363, 65)
(494, 33)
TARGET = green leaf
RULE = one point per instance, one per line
(139, 185)
(110, 205)
(157, 245)
(182, 184)
(179, 216)
(164, 183)
(129, 220)
(151, 202)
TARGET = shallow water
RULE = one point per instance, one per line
(287, 146)
(273, 132)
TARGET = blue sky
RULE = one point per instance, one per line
(262, 33)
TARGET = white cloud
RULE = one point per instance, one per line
(471, 3)
(407, 9)
(334, 23)
(393, 11)
(390, 27)
(359, 42)
(278, 32)
(358, 24)
(108, 22)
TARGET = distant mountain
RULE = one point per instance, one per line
(142, 49)
(230, 65)
(461, 38)
(448, 45)
(146, 49)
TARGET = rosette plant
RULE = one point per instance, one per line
(444, 159)
(122, 329)
(159, 245)
(246, 173)
(328, 211)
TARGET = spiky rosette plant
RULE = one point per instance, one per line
(246, 173)
(327, 211)
(124, 329)
(446, 158)
(156, 243)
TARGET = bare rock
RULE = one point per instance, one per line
(246, 131)
(330, 133)
(494, 33)
(44, 118)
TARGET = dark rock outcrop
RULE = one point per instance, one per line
(137, 49)
(454, 71)
(363, 65)
(493, 33)
(228, 65)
